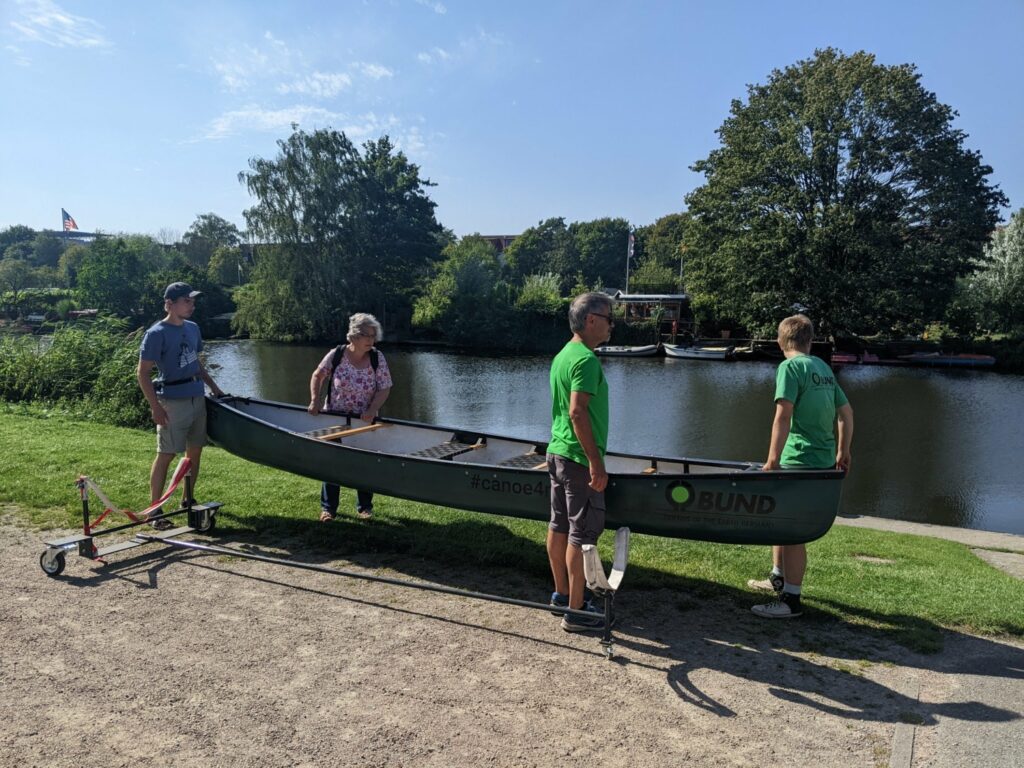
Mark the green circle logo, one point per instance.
(679, 494)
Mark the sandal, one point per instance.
(365, 513)
(326, 515)
(160, 523)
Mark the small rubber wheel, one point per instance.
(209, 526)
(54, 567)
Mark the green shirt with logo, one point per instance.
(577, 369)
(811, 386)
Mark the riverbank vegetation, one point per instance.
(895, 584)
(840, 185)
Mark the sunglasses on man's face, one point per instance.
(606, 317)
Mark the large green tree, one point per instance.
(350, 231)
(601, 247)
(841, 184)
(547, 248)
(112, 275)
(208, 233)
(466, 300)
(994, 296)
(15, 277)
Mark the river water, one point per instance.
(929, 446)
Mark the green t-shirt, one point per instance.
(577, 369)
(810, 385)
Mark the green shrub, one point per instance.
(87, 369)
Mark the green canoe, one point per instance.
(725, 501)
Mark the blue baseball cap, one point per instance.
(175, 291)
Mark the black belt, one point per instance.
(189, 380)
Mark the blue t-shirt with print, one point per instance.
(175, 350)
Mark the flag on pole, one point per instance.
(629, 251)
(69, 223)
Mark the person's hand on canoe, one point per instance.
(314, 407)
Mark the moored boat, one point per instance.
(679, 497)
(699, 352)
(650, 350)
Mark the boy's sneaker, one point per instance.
(572, 623)
(558, 600)
(160, 524)
(786, 607)
(773, 583)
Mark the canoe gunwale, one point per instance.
(731, 469)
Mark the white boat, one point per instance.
(699, 353)
(648, 351)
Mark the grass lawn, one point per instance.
(906, 587)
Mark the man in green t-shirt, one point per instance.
(579, 437)
(810, 408)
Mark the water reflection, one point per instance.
(930, 446)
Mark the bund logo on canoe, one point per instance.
(683, 498)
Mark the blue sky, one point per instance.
(137, 117)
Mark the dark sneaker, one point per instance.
(160, 524)
(772, 584)
(572, 623)
(558, 600)
(786, 607)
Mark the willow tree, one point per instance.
(843, 185)
(340, 231)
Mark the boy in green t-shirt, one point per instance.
(575, 456)
(810, 408)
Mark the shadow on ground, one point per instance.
(686, 628)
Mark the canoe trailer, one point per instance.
(201, 518)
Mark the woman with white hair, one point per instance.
(359, 383)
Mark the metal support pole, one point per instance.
(606, 637)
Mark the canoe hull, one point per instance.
(723, 502)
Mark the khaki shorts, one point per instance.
(576, 508)
(186, 424)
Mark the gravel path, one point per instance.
(168, 657)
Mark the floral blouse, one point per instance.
(353, 388)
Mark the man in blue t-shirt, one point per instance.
(177, 398)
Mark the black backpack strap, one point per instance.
(374, 358)
(335, 362)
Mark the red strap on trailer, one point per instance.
(85, 484)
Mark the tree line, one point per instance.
(840, 184)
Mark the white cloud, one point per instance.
(321, 85)
(358, 128)
(43, 21)
(373, 71)
(238, 68)
(435, 54)
(433, 5)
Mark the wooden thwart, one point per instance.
(343, 433)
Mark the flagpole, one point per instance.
(629, 253)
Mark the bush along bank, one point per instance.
(87, 370)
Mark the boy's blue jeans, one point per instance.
(329, 493)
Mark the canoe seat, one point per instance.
(446, 450)
(526, 461)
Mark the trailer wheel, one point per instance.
(52, 566)
(209, 526)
